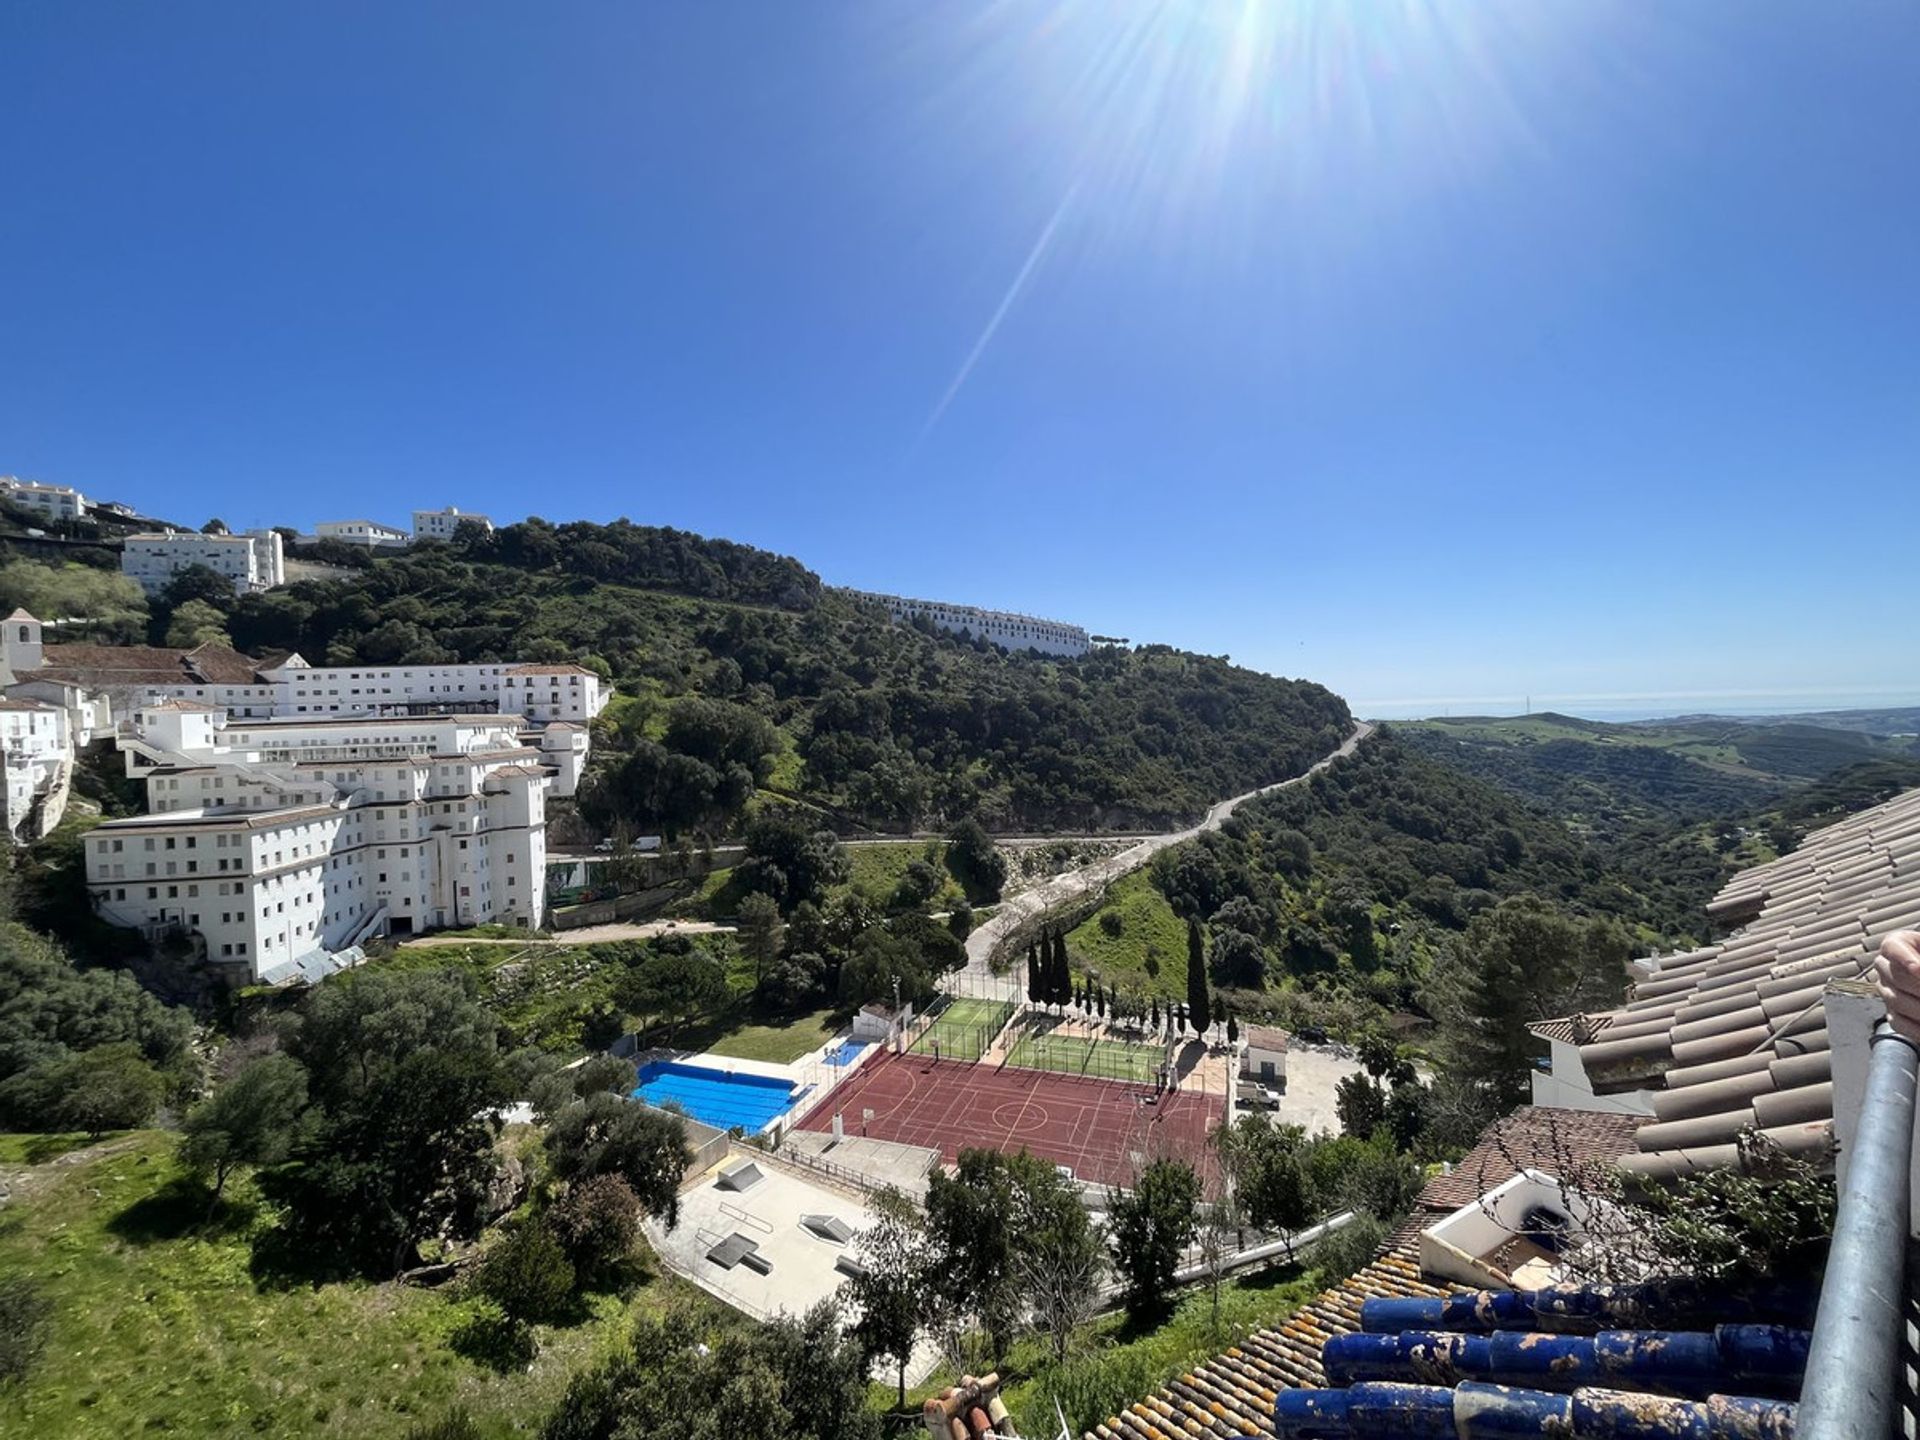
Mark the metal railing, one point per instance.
(1851, 1390)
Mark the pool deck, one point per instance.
(800, 1264)
(812, 1077)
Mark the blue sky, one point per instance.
(1443, 353)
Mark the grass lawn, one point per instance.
(782, 1041)
(1148, 928)
(160, 1327)
(877, 870)
(965, 1029)
(1069, 1055)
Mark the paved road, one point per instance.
(978, 977)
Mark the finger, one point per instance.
(1903, 1005)
(1902, 945)
(1896, 967)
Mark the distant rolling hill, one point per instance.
(1603, 777)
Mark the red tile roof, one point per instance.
(1534, 1137)
(1733, 1036)
(103, 665)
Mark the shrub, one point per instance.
(527, 1275)
(1350, 1249)
(596, 1223)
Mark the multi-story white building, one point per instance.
(1004, 628)
(278, 847)
(440, 524)
(253, 561)
(562, 697)
(56, 502)
(36, 752)
(370, 533)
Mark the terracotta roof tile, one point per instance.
(1733, 1036)
(1233, 1393)
(1532, 1137)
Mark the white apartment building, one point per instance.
(56, 502)
(542, 694)
(1004, 628)
(36, 752)
(278, 847)
(440, 524)
(253, 561)
(559, 697)
(370, 533)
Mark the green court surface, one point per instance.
(1075, 1055)
(964, 1030)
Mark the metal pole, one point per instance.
(1853, 1365)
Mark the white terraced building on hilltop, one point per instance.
(56, 502)
(440, 524)
(278, 847)
(370, 533)
(253, 562)
(1005, 628)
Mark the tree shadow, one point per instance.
(1138, 1324)
(284, 1259)
(41, 1148)
(492, 1340)
(178, 1210)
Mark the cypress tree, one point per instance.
(1062, 969)
(1153, 1011)
(1196, 977)
(1233, 1029)
(1033, 975)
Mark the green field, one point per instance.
(877, 870)
(965, 1029)
(779, 1041)
(162, 1325)
(1072, 1055)
(1150, 939)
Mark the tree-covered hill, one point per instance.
(1608, 778)
(739, 672)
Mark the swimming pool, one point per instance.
(719, 1098)
(849, 1052)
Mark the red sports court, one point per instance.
(1097, 1127)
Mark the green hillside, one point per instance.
(740, 671)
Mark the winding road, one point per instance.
(978, 977)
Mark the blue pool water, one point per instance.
(849, 1052)
(715, 1097)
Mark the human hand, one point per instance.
(1898, 970)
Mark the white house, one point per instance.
(277, 847)
(1263, 1059)
(440, 524)
(36, 749)
(56, 502)
(1005, 628)
(253, 561)
(370, 533)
